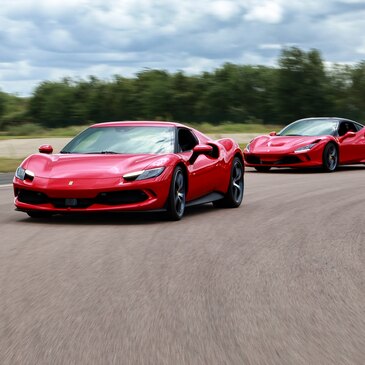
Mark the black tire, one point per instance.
(177, 195)
(262, 168)
(330, 158)
(234, 195)
(39, 215)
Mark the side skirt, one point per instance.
(205, 199)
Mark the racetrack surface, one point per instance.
(6, 178)
(280, 280)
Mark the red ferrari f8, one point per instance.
(131, 166)
(310, 142)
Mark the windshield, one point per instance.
(123, 139)
(310, 127)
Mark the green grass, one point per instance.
(30, 130)
(9, 164)
(236, 128)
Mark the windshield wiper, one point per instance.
(103, 153)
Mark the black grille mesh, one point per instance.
(287, 160)
(106, 198)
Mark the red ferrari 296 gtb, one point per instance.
(310, 142)
(131, 166)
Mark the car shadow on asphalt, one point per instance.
(119, 218)
(306, 171)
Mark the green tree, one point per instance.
(154, 95)
(51, 104)
(301, 85)
(357, 91)
(97, 100)
(339, 91)
(123, 103)
(184, 91)
(237, 93)
(2, 103)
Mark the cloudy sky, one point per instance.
(50, 39)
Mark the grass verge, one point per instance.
(227, 128)
(9, 164)
(35, 131)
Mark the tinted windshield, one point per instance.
(123, 139)
(310, 127)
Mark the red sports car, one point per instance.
(131, 166)
(310, 142)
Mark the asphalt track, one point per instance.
(280, 280)
(6, 178)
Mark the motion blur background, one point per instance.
(72, 62)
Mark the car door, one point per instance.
(360, 142)
(352, 148)
(202, 172)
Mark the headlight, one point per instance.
(20, 173)
(24, 174)
(248, 147)
(144, 174)
(305, 148)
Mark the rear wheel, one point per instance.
(262, 168)
(234, 195)
(330, 158)
(177, 195)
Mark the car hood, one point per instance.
(91, 166)
(281, 143)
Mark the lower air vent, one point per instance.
(121, 197)
(32, 197)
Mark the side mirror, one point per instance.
(46, 148)
(347, 135)
(200, 149)
(272, 133)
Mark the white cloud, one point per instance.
(61, 39)
(20, 69)
(224, 10)
(195, 65)
(48, 39)
(270, 46)
(266, 12)
(361, 49)
(352, 1)
(255, 58)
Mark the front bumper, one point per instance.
(302, 159)
(91, 195)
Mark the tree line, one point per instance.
(299, 86)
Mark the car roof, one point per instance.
(142, 123)
(322, 118)
(337, 119)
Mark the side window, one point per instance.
(358, 126)
(186, 140)
(345, 127)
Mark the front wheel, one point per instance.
(234, 195)
(177, 195)
(330, 158)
